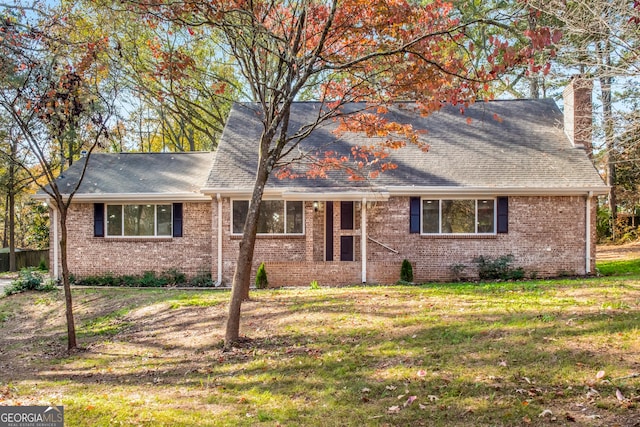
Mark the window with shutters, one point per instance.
(458, 216)
(143, 220)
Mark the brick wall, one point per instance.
(546, 236)
(190, 254)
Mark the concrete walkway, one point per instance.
(3, 284)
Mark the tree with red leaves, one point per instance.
(48, 91)
(340, 52)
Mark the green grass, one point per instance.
(630, 267)
(489, 354)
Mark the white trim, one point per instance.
(303, 194)
(219, 198)
(132, 197)
(285, 234)
(489, 192)
(363, 238)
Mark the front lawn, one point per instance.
(496, 354)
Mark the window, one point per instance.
(139, 220)
(458, 216)
(276, 217)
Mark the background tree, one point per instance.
(601, 41)
(176, 86)
(13, 182)
(51, 93)
(341, 52)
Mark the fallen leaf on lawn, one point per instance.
(365, 390)
(401, 396)
(410, 400)
(600, 375)
(391, 387)
(546, 412)
(593, 393)
(393, 409)
(527, 380)
(526, 420)
(421, 406)
(422, 373)
(502, 363)
(619, 395)
(433, 398)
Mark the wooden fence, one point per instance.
(24, 259)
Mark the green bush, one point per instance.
(202, 279)
(30, 279)
(174, 277)
(149, 279)
(406, 271)
(498, 268)
(261, 277)
(314, 284)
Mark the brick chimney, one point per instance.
(578, 115)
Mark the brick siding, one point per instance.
(546, 236)
(89, 256)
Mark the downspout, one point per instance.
(219, 199)
(363, 238)
(588, 233)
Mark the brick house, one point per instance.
(505, 177)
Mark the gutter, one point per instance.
(140, 197)
(383, 193)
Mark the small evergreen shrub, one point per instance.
(498, 268)
(202, 279)
(150, 280)
(406, 271)
(261, 277)
(42, 266)
(314, 284)
(174, 277)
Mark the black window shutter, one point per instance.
(414, 215)
(503, 215)
(177, 220)
(346, 215)
(98, 220)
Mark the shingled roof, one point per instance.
(139, 176)
(513, 146)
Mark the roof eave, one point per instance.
(130, 197)
(502, 191)
(383, 193)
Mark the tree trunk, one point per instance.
(12, 207)
(12, 231)
(242, 276)
(71, 328)
(605, 85)
(5, 234)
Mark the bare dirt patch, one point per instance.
(618, 252)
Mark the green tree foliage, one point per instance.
(177, 85)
